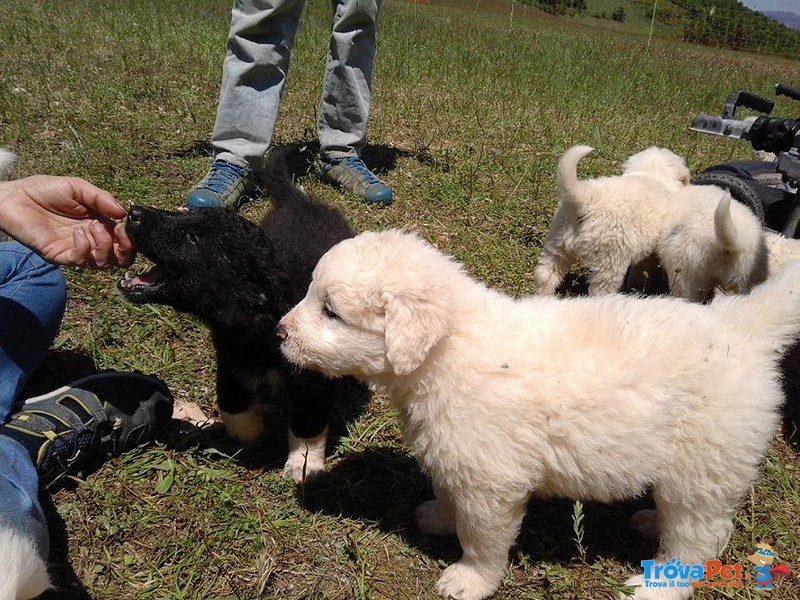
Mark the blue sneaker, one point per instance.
(353, 176)
(226, 184)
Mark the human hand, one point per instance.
(67, 220)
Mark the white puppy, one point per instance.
(712, 242)
(609, 223)
(8, 161)
(591, 398)
(782, 250)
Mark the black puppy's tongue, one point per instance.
(151, 277)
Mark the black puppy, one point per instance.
(240, 279)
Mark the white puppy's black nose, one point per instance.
(281, 332)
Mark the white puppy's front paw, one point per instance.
(465, 583)
(433, 520)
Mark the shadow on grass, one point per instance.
(66, 584)
(380, 158)
(383, 487)
(348, 405)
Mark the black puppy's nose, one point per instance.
(135, 213)
(281, 332)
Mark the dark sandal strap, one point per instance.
(59, 426)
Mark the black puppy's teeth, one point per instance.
(151, 278)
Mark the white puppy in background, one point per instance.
(782, 250)
(599, 399)
(8, 161)
(609, 223)
(712, 243)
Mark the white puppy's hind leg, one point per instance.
(306, 458)
(550, 271)
(692, 530)
(435, 517)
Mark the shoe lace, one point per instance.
(359, 167)
(223, 175)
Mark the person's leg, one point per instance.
(33, 295)
(24, 542)
(97, 416)
(346, 99)
(32, 300)
(254, 74)
(347, 87)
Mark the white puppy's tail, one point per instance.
(7, 162)
(724, 227)
(568, 182)
(769, 314)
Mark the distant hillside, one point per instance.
(789, 19)
(728, 24)
(722, 23)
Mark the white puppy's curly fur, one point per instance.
(609, 223)
(782, 250)
(8, 161)
(593, 398)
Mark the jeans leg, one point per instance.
(20, 510)
(33, 295)
(253, 77)
(347, 88)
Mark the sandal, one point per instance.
(100, 415)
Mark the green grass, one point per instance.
(472, 109)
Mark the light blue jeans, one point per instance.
(33, 295)
(254, 73)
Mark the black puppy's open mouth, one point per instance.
(143, 283)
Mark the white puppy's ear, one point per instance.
(413, 326)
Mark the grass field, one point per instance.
(472, 108)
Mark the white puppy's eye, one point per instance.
(329, 312)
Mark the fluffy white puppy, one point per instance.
(8, 162)
(609, 223)
(23, 574)
(593, 398)
(712, 242)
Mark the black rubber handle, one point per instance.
(784, 89)
(756, 102)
